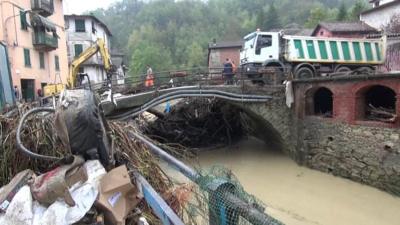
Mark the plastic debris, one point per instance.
(23, 210)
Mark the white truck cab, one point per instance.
(259, 48)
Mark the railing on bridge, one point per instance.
(188, 77)
(205, 76)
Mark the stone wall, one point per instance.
(364, 151)
(365, 154)
(272, 121)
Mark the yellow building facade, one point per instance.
(34, 33)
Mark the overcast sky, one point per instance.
(80, 6)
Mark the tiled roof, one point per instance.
(226, 44)
(346, 27)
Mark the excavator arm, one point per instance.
(100, 46)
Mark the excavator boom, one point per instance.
(99, 46)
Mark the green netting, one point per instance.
(221, 200)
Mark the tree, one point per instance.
(145, 54)
(317, 15)
(342, 15)
(356, 10)
(394, 24)
(272, 19)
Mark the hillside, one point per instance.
(170, 34)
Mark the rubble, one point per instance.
(65, 192)
(192, 121)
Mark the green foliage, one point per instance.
(356, 10)
(174, 34)
(269, 19)
(342, 14)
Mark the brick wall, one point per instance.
(345, 145)
(218, 56)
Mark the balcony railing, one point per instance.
(44, 42)
(43, 7)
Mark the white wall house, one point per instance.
(379, 16)
(82, 32)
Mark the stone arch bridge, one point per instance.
(344, 125)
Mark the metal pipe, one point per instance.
(180, 166)
(21, 146)
(137, 111)
(243, 208)
(159, 206)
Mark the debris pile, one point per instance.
(191, 121)
(38, 135)
(72, 190)
(381, 114)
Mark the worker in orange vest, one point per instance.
(149, 77)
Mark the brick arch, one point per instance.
(309, 98)
(360, 90)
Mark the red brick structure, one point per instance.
(219, 52)
(350, 97)
(343, 29)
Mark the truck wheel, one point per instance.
(304, 73)
(343, 69)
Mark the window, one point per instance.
(57, 63)
(80, 25)
(81, 70)
(93, 28)
(319, 101)
(78, 49)
(27, 58)
(262, 42)
(41, 60)
(24, 22)
(377, 103)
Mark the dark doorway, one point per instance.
(381, 96)
(323, 102)
(380, 104)
(28, 89)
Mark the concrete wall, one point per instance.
(17, 39)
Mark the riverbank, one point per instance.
(300, 196)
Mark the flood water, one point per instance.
(299, 196)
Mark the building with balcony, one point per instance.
(82, 32)
(34, 35)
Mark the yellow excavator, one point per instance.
(99, 46)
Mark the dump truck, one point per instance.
(308, 57)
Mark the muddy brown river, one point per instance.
(300, 196)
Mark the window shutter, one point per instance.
(41, 60)
(24, 22)
(78, 49)
(57, 63)
(80, 26)
(27, 58)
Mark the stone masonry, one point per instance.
(344, 145)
